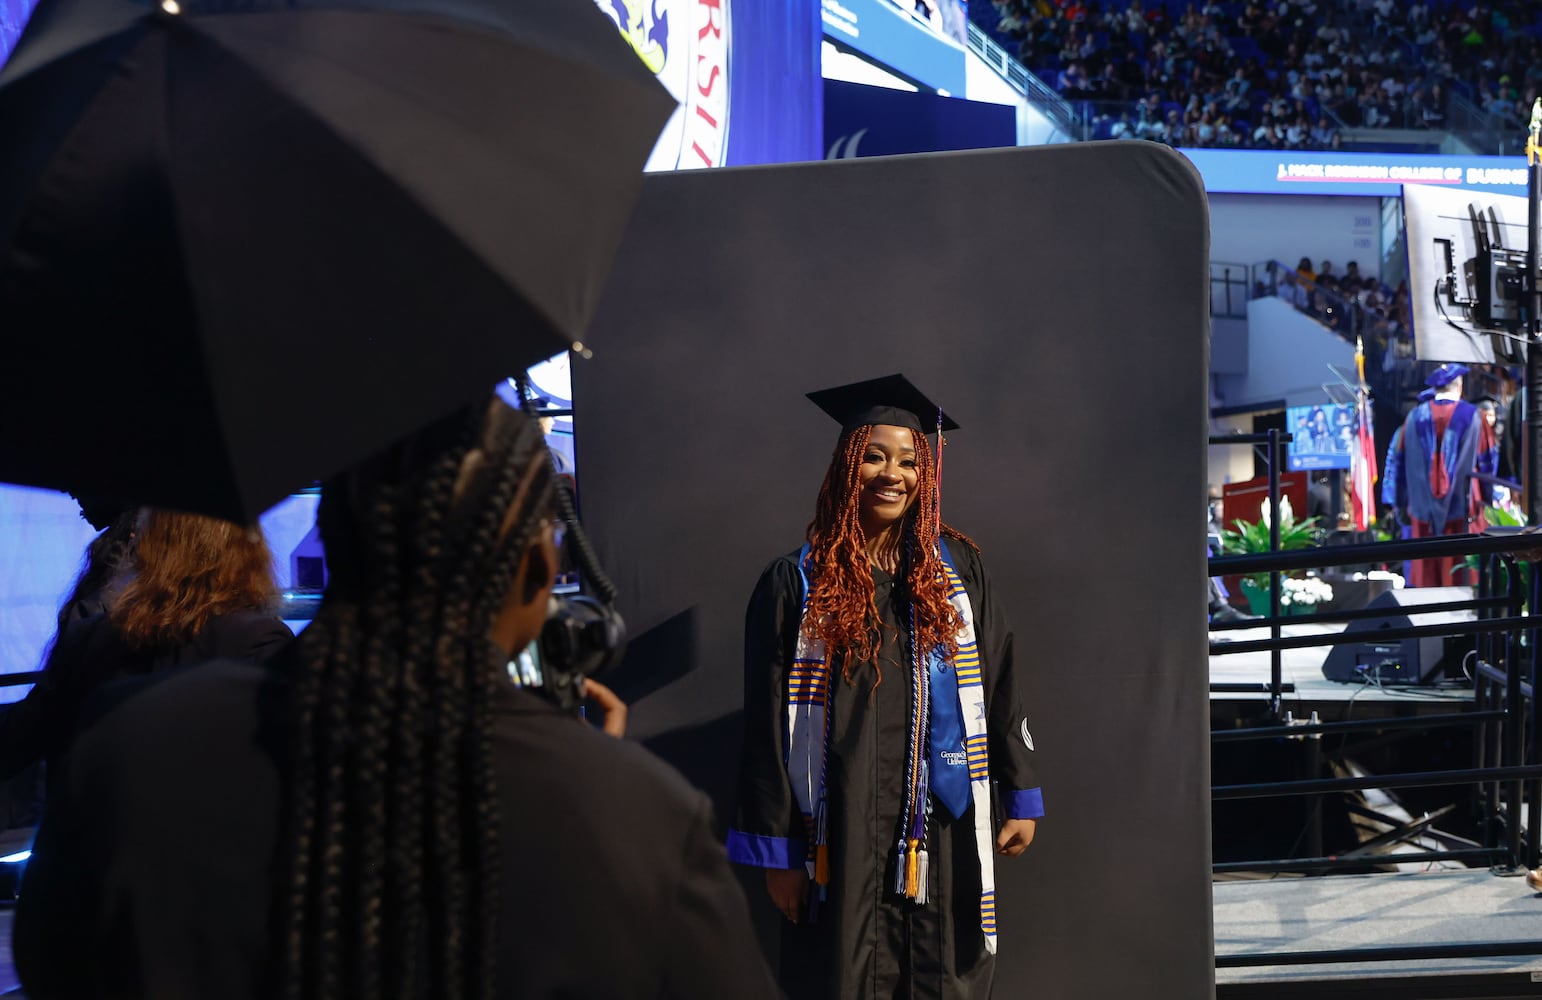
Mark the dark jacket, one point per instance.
(91, 652)
(153, 872)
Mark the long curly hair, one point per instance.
(841, 609)
(392, 876)
(187, 569)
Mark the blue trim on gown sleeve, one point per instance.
(764, 852)
(1027, 803)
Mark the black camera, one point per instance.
(582, 638)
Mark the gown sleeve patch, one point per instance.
(1027, 803)
(764, 852)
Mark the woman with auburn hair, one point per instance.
(199, 588)
(190, 588)
(880, 704)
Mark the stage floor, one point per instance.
(1382, 910)
(1303, 668)
(1339, 911)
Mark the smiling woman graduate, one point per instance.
(881, 705)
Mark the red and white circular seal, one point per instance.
(686, 43)
(705, 136)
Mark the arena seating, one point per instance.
(1292, 74)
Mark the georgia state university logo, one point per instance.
(685, 43)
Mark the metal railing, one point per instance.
(1507, 727)
(1273, 439)
(1483, 132)
(1231, 287)
(1038, 93)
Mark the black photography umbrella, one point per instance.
(244, 243)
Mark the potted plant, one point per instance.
(1253, 537)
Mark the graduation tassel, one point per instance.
(923, 863)
(912, 861)
(899, 870)
(938, 474)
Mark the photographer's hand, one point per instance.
(614, 708)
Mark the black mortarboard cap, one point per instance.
(887, 400)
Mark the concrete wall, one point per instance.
(1288, 358)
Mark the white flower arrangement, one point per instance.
(1308, 592)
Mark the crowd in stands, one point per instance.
(1288, 74)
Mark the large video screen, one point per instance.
(1308, 172)
(746, 75)
(1321, 437)
(922, 42)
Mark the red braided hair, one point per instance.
(841, 609)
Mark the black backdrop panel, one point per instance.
(1054, 301)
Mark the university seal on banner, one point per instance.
(686, 45)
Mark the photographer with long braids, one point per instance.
(384, 814)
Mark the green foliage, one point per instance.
(1243, 536)
(1253, 536)
(1246, 536)
(1501, 518)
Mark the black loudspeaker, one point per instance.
(1403, 661)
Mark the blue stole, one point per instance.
(947, 763)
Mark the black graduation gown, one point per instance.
(91, 652)
(866, 941)
(153, 872)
